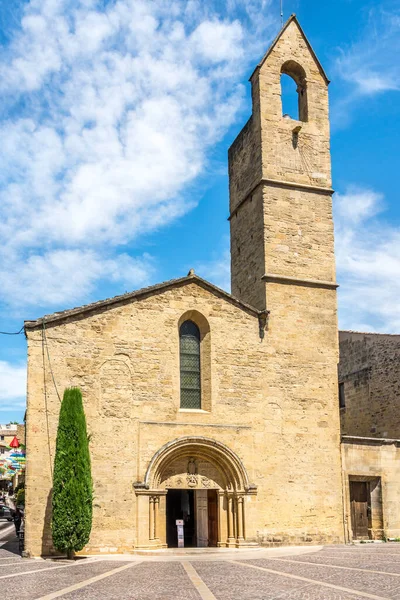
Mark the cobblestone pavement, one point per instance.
(330, 573)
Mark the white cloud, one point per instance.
(109, 113)
(218, 270)
(66, 276)
(358, 204)
(12, 386)
(369, 66)
(368, 263)
(216, 42)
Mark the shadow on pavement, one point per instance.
(12, 546)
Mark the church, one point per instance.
(213, 409)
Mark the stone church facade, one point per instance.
(219, 409)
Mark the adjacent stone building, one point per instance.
(216, 409)
(369, 392)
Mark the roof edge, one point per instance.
(354, 332)
(137, 294)
(292, 18)
(368, 440)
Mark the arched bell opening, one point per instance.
(292, 70)
(201, 485)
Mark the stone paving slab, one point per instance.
(230, 582)
(10, 547)
(146, 581)
(222, 577)
(28, 565)
(5, 553)
(7, 560)
(372, 583)
(383, 548)
(35, 585)
(318, 592)
(376, 563)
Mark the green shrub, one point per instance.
(72, 480)
(20, 500)
(20, 486)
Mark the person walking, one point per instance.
(17, 518)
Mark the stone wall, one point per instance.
(276, 410)
(369, 370)
(245, 159)
(298, 234)
(377, 462)
(21, 433)
(247, 251)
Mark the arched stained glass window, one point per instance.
(189, 340)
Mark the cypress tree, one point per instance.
(72, 479)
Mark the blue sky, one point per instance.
(115, 120)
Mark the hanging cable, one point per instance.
(12, 332)
(46, 407)
(48, 358)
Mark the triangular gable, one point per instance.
(137, 295)
(292, 19)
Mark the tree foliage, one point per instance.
(20, 499)
(72, 479)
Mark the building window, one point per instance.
(189, 338)
(294, 91)
(342, 400)
(2, 451)
(290, 101)
(2, 437)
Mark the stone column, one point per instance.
(156, 506)
(221, 520)
(231, 533)
(151, 517)
(151, 526)
(240, 519)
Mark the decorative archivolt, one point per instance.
(233, 475)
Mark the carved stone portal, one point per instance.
(192, 474)
(196, 463)
(191, 477)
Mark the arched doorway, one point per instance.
(201, 482)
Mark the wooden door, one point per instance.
(359, 509)
(202, 518)
(212, 518)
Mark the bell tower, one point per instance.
(282, 257)
(280, 178)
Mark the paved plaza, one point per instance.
(329, 573)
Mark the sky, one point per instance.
(115, 121)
